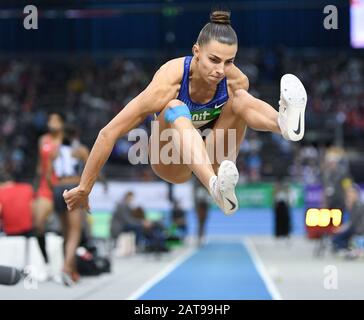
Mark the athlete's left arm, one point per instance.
(82, 153)
(256, 113)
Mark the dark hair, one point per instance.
(5, 176)
(59, 114)
(128, 194)
(219, 29)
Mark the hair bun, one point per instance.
(220, 17)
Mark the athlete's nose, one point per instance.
(220, 73)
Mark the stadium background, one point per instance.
(89, 58)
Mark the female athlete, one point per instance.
(190, 93)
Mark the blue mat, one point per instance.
(217, 271)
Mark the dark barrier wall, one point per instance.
(169, 24)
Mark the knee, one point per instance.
(176, 109)
(174, 103)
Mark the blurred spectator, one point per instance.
(127, 217)
(355, 224)
(16, 201)
(123, 220)
(155, 235)
(178, 226)
(335, 174)
(68, 164)
(45, 178)
(282, 210)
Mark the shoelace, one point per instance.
(281, 104)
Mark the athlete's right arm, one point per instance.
(159, 92)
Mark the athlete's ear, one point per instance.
(196, 51)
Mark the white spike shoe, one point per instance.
(292, 105)
(222, 187)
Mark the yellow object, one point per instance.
(346, 183)
(323, 217)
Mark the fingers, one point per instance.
(70, 205)
(67, 200)
(73, 201)
(70, 200)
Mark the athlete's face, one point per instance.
(214, 60)
(55, 123)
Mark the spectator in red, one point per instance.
(15, 206)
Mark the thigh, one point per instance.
(225, 137)
(42, 208)
(173, 173)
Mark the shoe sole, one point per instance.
(295, 97)
(228, 177)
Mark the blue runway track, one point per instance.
(217, 271)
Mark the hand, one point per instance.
(76, 198)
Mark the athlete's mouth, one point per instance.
(217, 78)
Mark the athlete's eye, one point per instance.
(214, 60)
(230, 62)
